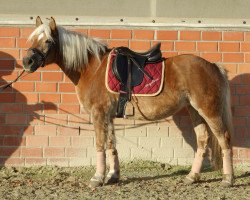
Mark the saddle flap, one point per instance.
(120, 70)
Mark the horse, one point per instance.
(189, 81)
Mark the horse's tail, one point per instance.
(227, 121)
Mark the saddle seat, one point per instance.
(128, 67)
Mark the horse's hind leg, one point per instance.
(202, 137)
(114, 170)
(218, 128)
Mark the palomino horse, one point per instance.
(189, 81)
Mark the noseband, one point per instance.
(38, 57)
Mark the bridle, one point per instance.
(38, 57)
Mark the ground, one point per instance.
(139, 180)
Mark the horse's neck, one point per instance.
(86, 71)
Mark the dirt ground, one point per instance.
(139, 180)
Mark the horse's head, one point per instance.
(44, 45)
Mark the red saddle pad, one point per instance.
(148, 87)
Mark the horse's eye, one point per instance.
(47, 41)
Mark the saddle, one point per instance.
(128, 67)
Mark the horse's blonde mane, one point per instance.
(75, 48)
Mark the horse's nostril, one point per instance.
(30, 61)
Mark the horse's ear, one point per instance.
(38, 21)
(52, 24)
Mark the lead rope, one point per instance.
(3, 87)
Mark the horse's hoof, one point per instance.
(228, 180)
(192, 178)
(113, 177)
(96, 181)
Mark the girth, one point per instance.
(128, 68)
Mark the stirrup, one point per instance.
(129, 110)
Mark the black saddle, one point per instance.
(128, 67)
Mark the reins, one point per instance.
(3, 87)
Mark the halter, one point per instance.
(38, 57)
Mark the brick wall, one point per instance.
(41, 122)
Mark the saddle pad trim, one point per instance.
(136, 95)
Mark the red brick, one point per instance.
(7, 97)
(245, 47)
(190, 35)
(244, 100)
(50, 108)
(167, 35)
(239, 121)
(7, 42)
(36, 76)
(36, 119)
(56, 119)
(118, 43)
(46, 87)
(212, 57)
(23, 43)
(13, 141)
(233, 57)
(35, 161)
(247, 57)
(49, 130)
(50, 97)
(11, 108)
(52, 76)
(242, 111)
(105, 34)
(9, 151)
(185, 46)
(16, 119)
(25, 32)
(59, 141)
(51, 67)
(69, 98)
(9, 32)
(32, 108)
(37, 140)
(31, 152)
(244, 153)
(166, 46)
(229, 47)
(231, 68)
(82, 141)
(11, 130)
(10, 53)
(14, 162)
(24, 86)
(68, 108)
(66, 87)
(26, 98)
(7, 64)
(243, 89)
(211, 35)
(169, 54)
(139, 45)
(143, 34)
(53, 152)
(244, 68)
(68, 131)
(233, 36)
(121, 34)
(29, 130)
(207, 46)
(75, 152)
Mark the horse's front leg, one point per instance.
(101, 130)
(114, 170)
